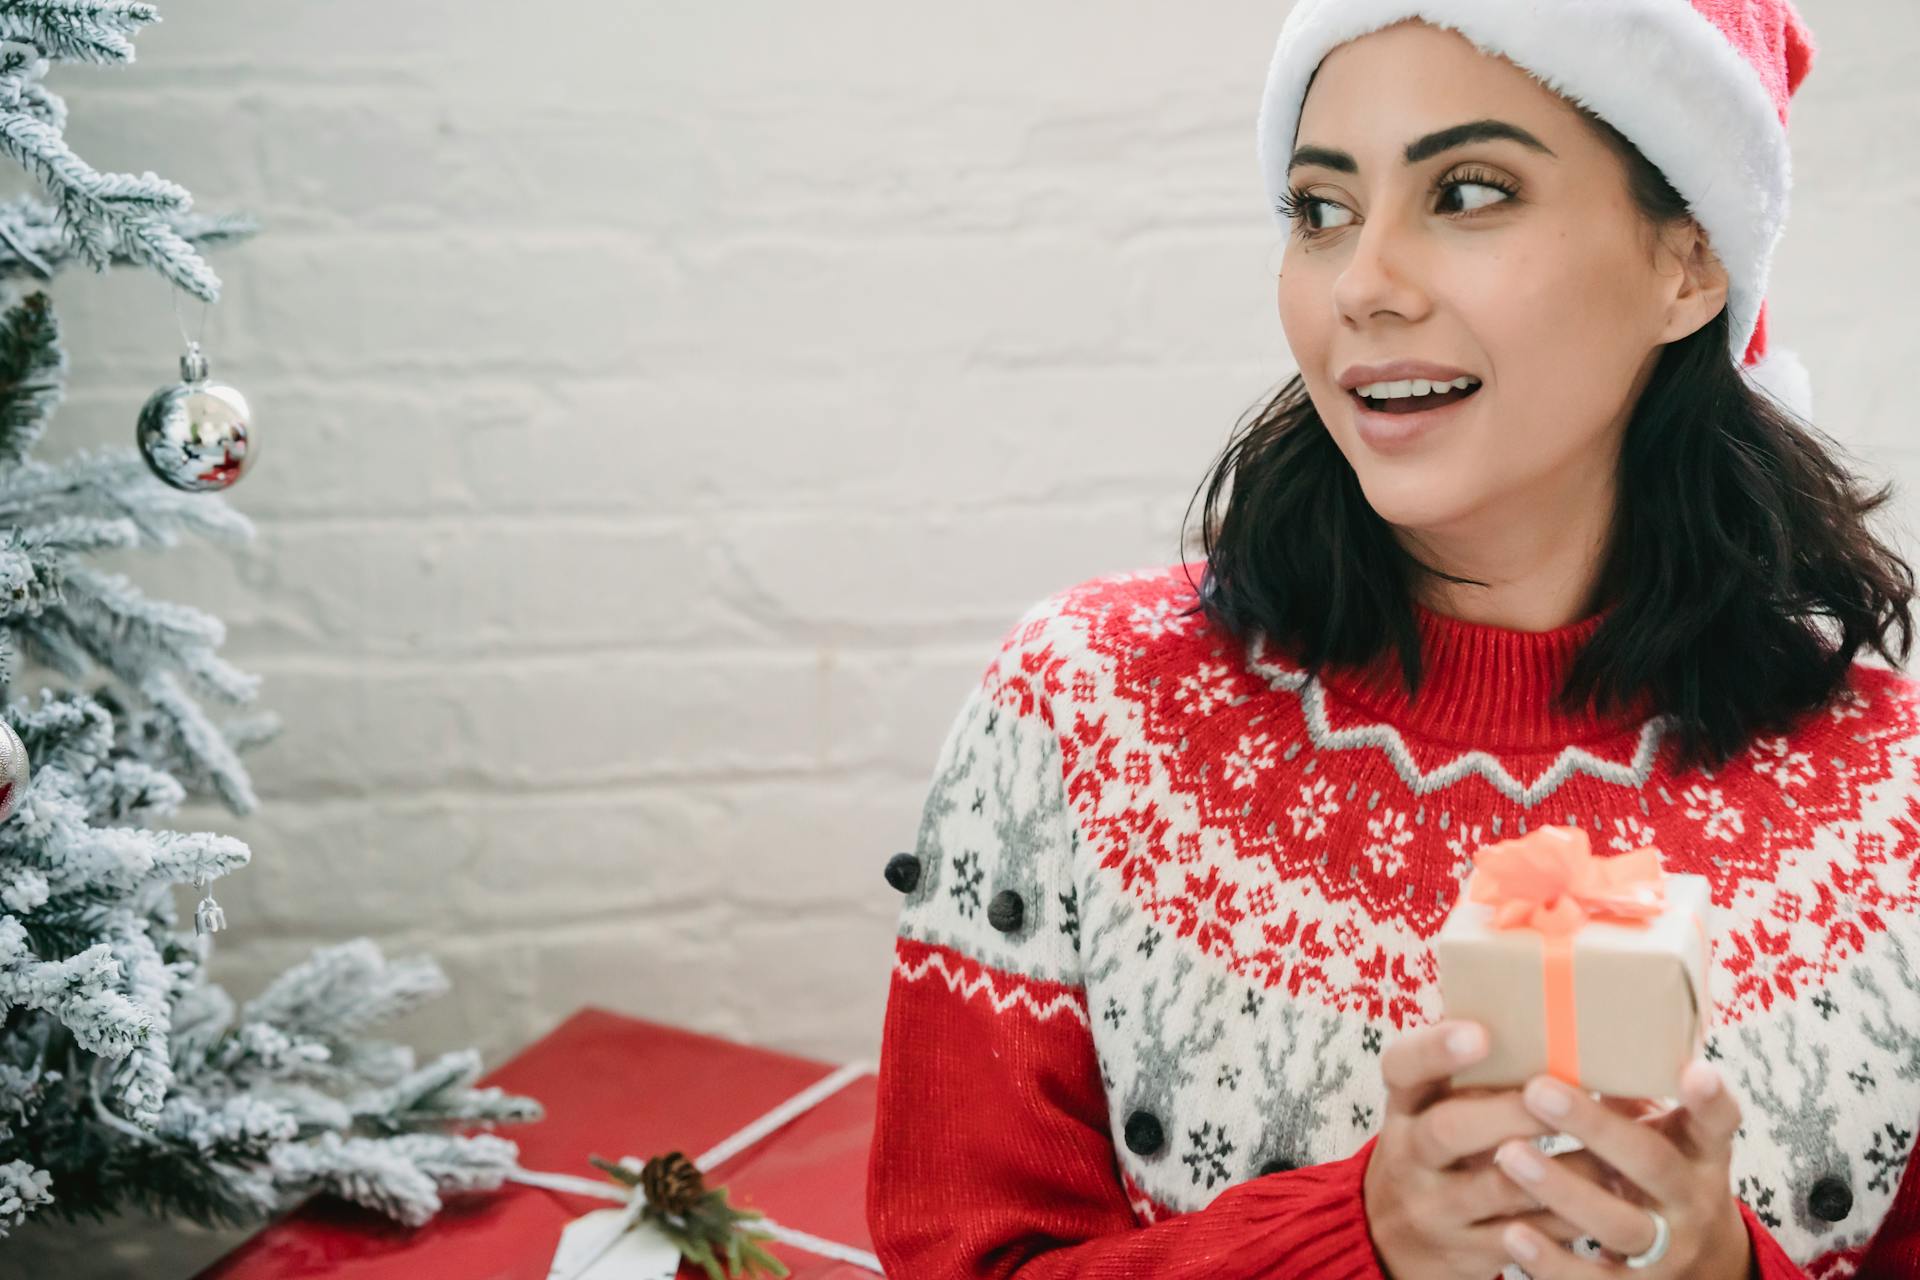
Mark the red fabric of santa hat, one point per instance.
(1701, 87)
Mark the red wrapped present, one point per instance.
(611, 1086)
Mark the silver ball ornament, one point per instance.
(197, 435)
(14, 771)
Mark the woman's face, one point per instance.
(1524, 265)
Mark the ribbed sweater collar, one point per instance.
(1485, 686)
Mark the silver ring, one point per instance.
(1657, 1249)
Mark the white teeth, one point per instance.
(1414, 387)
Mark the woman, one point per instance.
(1524, 543)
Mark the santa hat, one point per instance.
(1699, 86)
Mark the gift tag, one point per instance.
(639, 1254)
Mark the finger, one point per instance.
(1489, 1240)
(1490, 1195)
(1496, 1193)
(1599, 1172)
(1711, 1113)
(1418, 1065)
(1545, 1260)
(1458, 1127)
(1615, 1223)
(1641, 1152)
(1547, 1223)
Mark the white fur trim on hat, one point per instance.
(1781, 375)
(1656, 70)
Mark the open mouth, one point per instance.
(1417, 404)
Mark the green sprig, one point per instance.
(709, 1224)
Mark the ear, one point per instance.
(1700, 287)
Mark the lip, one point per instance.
(1359, 375)
(1393, 432)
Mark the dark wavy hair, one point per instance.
(1736, 532)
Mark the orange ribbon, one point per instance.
(1549, 881)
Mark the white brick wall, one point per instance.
(664, 415)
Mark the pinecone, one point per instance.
(672, 1183)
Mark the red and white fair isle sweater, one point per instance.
(1170, 897)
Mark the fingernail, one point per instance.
(1549, 1097)
(1521, 1162)
(1465, 1042)
(1520, 1245)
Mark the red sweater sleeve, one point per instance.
(993, 1151)
(992, 1155)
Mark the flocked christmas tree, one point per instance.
(127, 1078)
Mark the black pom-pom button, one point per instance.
(903, 872)
(1831, 1198)
(1144, 1136)
(1277, 1166)
(1006, 911)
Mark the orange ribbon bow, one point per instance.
(1548, 880)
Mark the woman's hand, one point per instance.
(1677, 1162)
(1435, 1203)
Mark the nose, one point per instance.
(1382, 275)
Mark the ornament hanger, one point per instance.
(192, 344)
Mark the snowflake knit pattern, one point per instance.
(1170, 896)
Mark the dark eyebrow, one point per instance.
(1424, 148)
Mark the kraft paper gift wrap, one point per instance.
(1591, 969)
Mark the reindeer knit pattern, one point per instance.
(1170, 896)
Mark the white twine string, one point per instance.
(181, 320)
(636, 1202)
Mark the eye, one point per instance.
(1467, 180)
(1296, 205)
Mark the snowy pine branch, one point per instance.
(193, 742)
(23, 1189)
(116, 487)
(33, 370)
(77, 30)
(340, 991)
(104, 216)
(32, 240)
(105, 213)
(81, 990)
(127, 1079)
(441, 1095)
(402, 1177)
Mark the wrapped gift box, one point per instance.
(1622, 1003)
(611, 1086)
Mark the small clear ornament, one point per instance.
(207, 917)
(197, 435)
